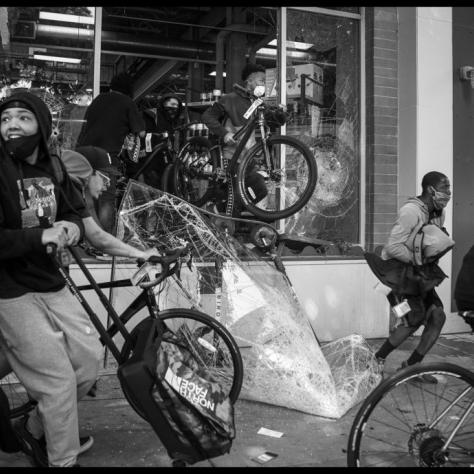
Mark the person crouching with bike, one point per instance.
(226, 117)
(84, 169)
(45, 333)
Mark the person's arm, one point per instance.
(213, 117)
(396, 246)
(71, 210)
(107, 243)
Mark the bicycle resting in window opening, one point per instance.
(270, 176)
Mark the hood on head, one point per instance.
(171, 96)
(39, 108)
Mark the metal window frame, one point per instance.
(281, 54)
(97, 51)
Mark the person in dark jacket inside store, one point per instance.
(111, 116)
(225, 117)
(165, 117)
(45, 333)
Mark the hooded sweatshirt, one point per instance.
(31, 199)
(158, 121)
(411, 217)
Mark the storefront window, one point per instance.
(49, 51)
(323, 97)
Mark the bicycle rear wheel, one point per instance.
(18, 399)
(405, 422)
(281, 190)
(212, 344)
(194, 171)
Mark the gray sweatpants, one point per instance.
(55, 352)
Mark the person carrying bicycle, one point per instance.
(226, 117)
(45, 333)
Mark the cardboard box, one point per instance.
(313, 83)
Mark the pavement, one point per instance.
(123, 439)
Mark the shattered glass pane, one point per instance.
(323, 97)
(284, 364)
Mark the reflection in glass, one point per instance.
(49, 52)
(323, 90)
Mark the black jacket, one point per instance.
(24, 265)
(464, 288)
(158, 121)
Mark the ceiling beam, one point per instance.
(159, 71)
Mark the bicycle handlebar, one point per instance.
(171, 256)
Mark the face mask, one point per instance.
(259, 91)
(21, 148)
(440, 199)
(172, 111)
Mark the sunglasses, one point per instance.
(105, 180)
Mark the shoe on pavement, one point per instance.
(85, 443)
(424, 378)
(35, 449)
(31, 446)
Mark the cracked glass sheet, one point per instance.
(283, 362)
(353, 368)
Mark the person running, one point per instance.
(426, 307)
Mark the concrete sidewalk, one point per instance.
(123, 439)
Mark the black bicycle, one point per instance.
(210, 342)
(283, 166)
(407, 423)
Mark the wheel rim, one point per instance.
(288, 185)
(404, 428)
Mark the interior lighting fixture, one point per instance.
(294, 45)
(57, 59)
(213, 73)
(88, 20)
(273, 52)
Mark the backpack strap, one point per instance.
(418, 246)
(58, 168)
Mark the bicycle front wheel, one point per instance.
(281, 189)
(405, 422)
(211, 343)
(194, 171)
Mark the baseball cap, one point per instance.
(77, 165)
(98, 158)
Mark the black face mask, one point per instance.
(21, 148)
(171, 111)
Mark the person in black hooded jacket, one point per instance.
(165, 117)
(45, 333)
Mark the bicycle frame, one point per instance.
(142, 300)
(160, 147)
(245, 132)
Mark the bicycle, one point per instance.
(407, 423)
(287, 166)
(211, 343)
